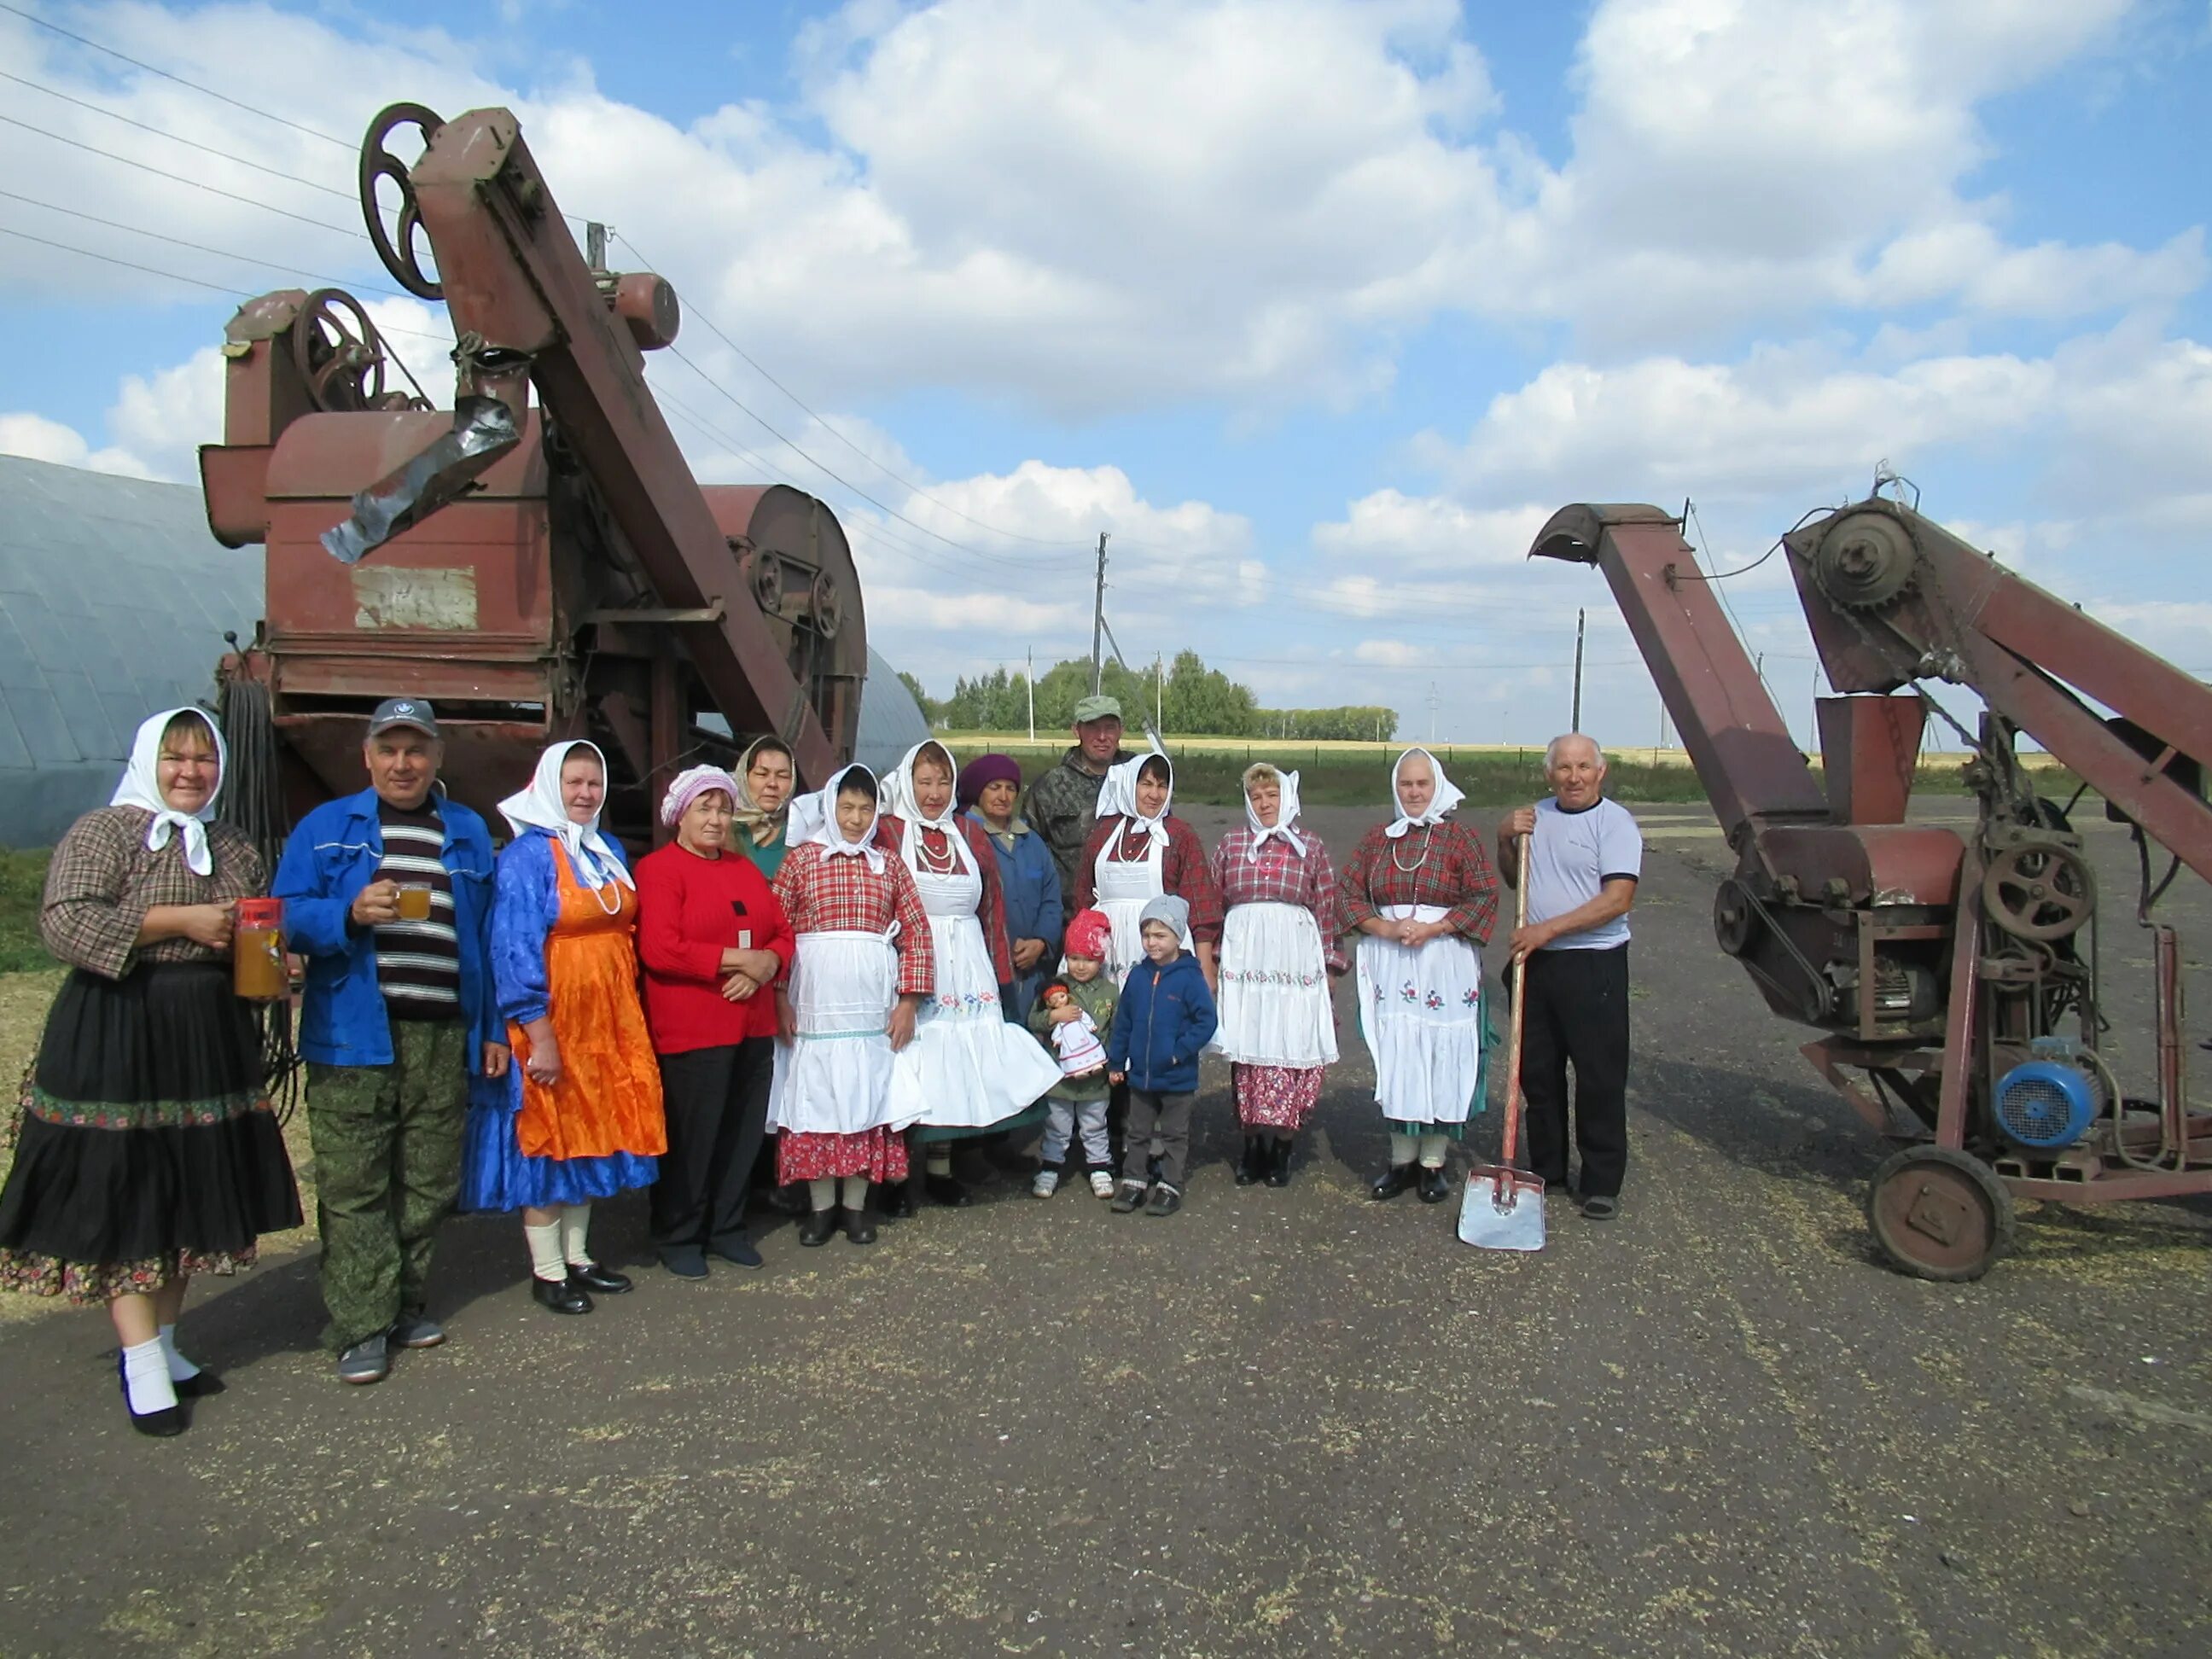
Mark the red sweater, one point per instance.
(689, 911)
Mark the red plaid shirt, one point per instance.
(890, 832)
(822, 895)
(1454, 876)
(1183, 870)
(1281, 876)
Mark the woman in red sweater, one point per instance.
(713, 940)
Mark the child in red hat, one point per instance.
(1077, 1104)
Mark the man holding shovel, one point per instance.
(1585, 854)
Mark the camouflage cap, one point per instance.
(1097, 708)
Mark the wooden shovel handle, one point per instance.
(1513, 1101)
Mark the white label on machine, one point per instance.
(385, 597)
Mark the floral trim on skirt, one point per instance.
(879, 1155)
(1277, 1098)
(91, 1283)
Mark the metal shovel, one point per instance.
(1502, 1208)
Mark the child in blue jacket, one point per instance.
(1164, 1018)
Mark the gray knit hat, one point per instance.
(1167, 909)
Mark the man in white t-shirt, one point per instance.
(1585, 854)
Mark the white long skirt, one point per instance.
(1421, 1013)
(967, 1068)
(838, 1076)
(1275, 1003)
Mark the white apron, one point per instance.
(1421, 1013)
(966, 1067)
(838, 1077)
(1274, 1000)
(1121, 888)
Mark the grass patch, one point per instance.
(22, 883)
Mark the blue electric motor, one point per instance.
(2045, 1104)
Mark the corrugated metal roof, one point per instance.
(113, 602)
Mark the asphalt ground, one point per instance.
(1279, 1422)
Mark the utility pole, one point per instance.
(1576, 724)
(1030, 680)
(1160, 695)
(1099, 622)
(1435, 703)
(595, 248)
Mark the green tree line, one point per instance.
(1188, 698)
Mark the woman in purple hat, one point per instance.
(1029, 881)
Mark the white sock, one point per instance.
(545, 1258)
(938, 1162)
(1432, 1152)
(575, 1226)
(1404, 1148)
(181, 1369)
(146, 1380)
(822, 1194)
(856, 1193)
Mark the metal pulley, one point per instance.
(1865, 561)
(2037, 886)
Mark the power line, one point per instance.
(312, 132)
(178, 178)
(175, 138)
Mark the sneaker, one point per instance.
(368, 1360)
(416, 1331)
(1046, 1184)
(1101, 1184)
(1166, 1201)
(1128, 1196)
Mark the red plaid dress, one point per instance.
(1451, 871)
(1182, 869)
(824, 894)
(1277, 1098)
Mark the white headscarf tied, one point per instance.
(901, 800)
(141, 787)
(538, 807)
(814, 819)
(1440, 805)
(1118, 794)
(1285, 817)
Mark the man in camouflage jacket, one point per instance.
(1063, 804)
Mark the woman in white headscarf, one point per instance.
(1420, 891)
(1278, 948)
(148, 1152)
(1138, 851)
(577, 1116)
(865, 965)
(973, 1072)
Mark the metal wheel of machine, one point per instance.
(1940, 1214)
(2040, 889)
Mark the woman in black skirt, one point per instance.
(148, 1151)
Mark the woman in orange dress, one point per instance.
(578, 1115)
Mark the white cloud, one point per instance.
(39, 439)
(1429, 533)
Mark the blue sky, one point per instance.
(1316, 307)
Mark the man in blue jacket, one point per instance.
(1165, 1017)
(387, 894)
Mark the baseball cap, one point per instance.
(1097, 708)
(404, 711)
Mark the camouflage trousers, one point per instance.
(387, 1144)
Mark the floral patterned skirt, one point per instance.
(876, 1155)
(148, 1151)
(1276, 1097)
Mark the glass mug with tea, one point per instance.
(414, 901)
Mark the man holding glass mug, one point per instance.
(387, 894)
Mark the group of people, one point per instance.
(870, 973)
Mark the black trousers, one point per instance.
(1577, 1012)
(717, 1104)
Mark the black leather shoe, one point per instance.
(1435, 1185)
(816, 1227)
(1279, 1163)
(602, 1281)
(898, 1201)
(1253, 1166)
(861, 1225)
(1400, 1178)
(944, 1189)
(559, 1296)
(199, 1386)
(161, 1425)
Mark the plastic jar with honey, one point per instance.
(257, 950)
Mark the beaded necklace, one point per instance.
(1428, 839)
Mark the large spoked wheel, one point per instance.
(397, 247)
(1940, 1214)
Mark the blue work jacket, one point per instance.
(328, 859)
(1165, 1017)
(1029, 881)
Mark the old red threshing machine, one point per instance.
(539, 568)
(1956, 977)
